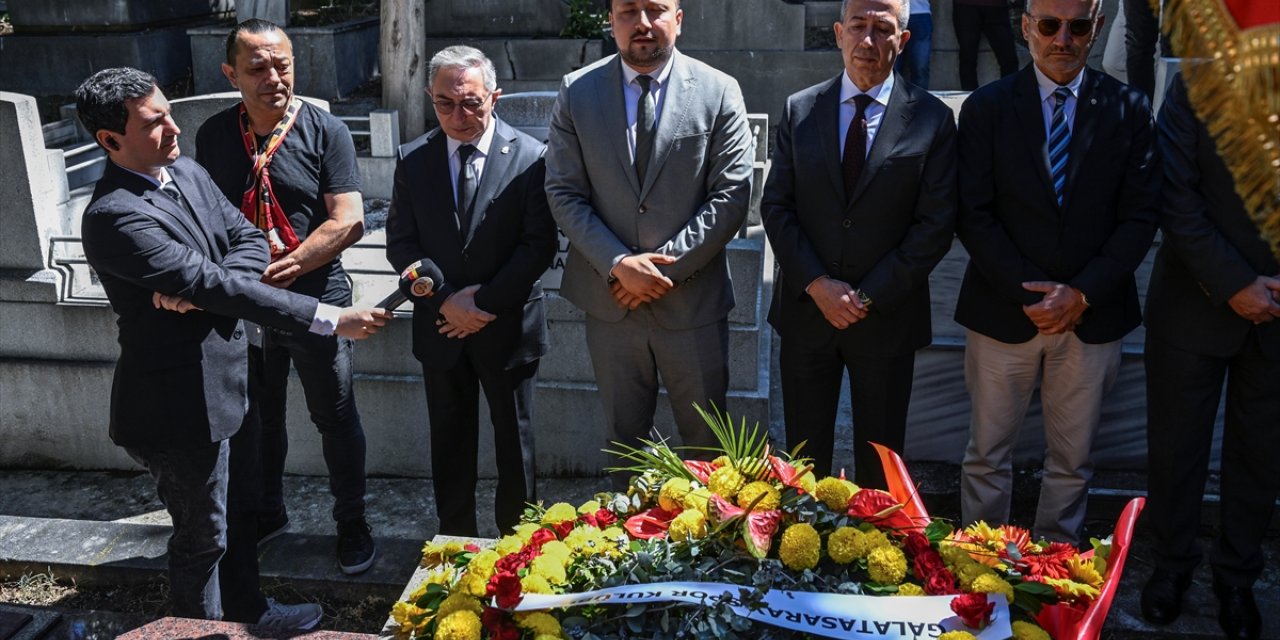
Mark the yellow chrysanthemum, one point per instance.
(869, 541)
(525, 530)
(547, 636)
(559, 512)
(508, 545)
(458, 601)
(722, 461)
(953, 554)
(753, 490)
(801, 547)
(410, 617)
(549, 568)
(726, 482)
(910, 589)
(534, 583)
(558, 550)
(689, 525)
(673, 490)
(590, 506)
(472, 585)
(588, 541)
(615, 534)
(887, 565)
(461, 625)
(1023, 630)
(1072, 589)
(992, 583)
(482, 563)
(434, 555)
(697, 499)
(968, 573)
(540, 623)
(842, 545)
(957, 635)
(1084, 572)
(834, 493)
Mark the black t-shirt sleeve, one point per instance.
(339, 171)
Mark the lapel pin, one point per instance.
(505, 150)
(1093, 101)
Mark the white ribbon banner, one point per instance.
(833, 615)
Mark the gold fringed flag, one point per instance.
(1231, 64)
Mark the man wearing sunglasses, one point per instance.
(1058, 194)
(468, 202)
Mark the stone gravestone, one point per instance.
(274, 11)
(32, 195)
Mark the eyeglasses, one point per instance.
(1049, 27)
(470, 106)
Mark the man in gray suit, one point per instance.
(649, 176)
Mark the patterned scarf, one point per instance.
(259, 204)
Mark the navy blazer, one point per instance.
(511, 242)
(885, 239)
(1012, 225)
(180, 378)
(1211, 248)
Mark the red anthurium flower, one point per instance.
(701, 469)
(879, 508)
(974, 609)
(788, 474)
(650, 524)
(724, 509)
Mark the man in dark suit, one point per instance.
(649, 177)
(162, 239)
(1211, 315)
(1058, 188)
(859, 207)
(469, 203)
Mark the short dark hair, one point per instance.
(252, 26)
(100, 100)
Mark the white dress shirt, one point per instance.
(1047, 87)
(631, 94)
(874, 113)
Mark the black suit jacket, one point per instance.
(510, 244)
(885, 239)
(181, 378)
(1211, 248)
(1013, 227)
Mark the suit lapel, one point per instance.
(163, 208)
(189, 191)
(1082, 129)
(681, 88)
(497, 167)
(614, 111)
(902, 106)
(436, 188)
(1026, 96)
(826, 113)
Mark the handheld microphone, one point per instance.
(412, 284)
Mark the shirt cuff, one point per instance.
(326, 320)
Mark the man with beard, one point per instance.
(649, 176)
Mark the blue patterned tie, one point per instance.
(1059, 140)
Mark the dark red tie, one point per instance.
(855, 145)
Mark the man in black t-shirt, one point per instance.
(291, 167)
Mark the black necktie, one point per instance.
(644, 126)
(170, 189)
(466, 189)
(855, 145)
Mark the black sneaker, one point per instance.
(355, 546)
(272, 527)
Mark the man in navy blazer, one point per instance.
(1058, 192)
(856, 250)
(180, 266)
(469, 203)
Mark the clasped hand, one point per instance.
(460, 317)
(1059, 311)
(838, 301)
(639, 280)
(1258, 302)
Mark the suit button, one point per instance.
(237, 334)
(643, 208)
(835, 266)
(847, 223)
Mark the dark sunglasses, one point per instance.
(1048, 27)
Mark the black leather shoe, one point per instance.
(1162, 596)
(1237, 611)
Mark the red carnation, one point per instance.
(916, 544)
(499, 624)
(541, 537)
(605, 518)
(506, 587)
(471, 547)
(927, 564)
(589, 518)
(973, 609)
(941, 583)
(563, 528)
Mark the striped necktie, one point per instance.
(1059, 140)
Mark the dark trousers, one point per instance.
(242, 599)
(453, 404)
(324, 367)
(192, 483)
(971, 22)
(879, 389)
(914, 61)
(1183, 392)
(1141, 33)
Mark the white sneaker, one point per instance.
(290, 617)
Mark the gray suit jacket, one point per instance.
(693, 201)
